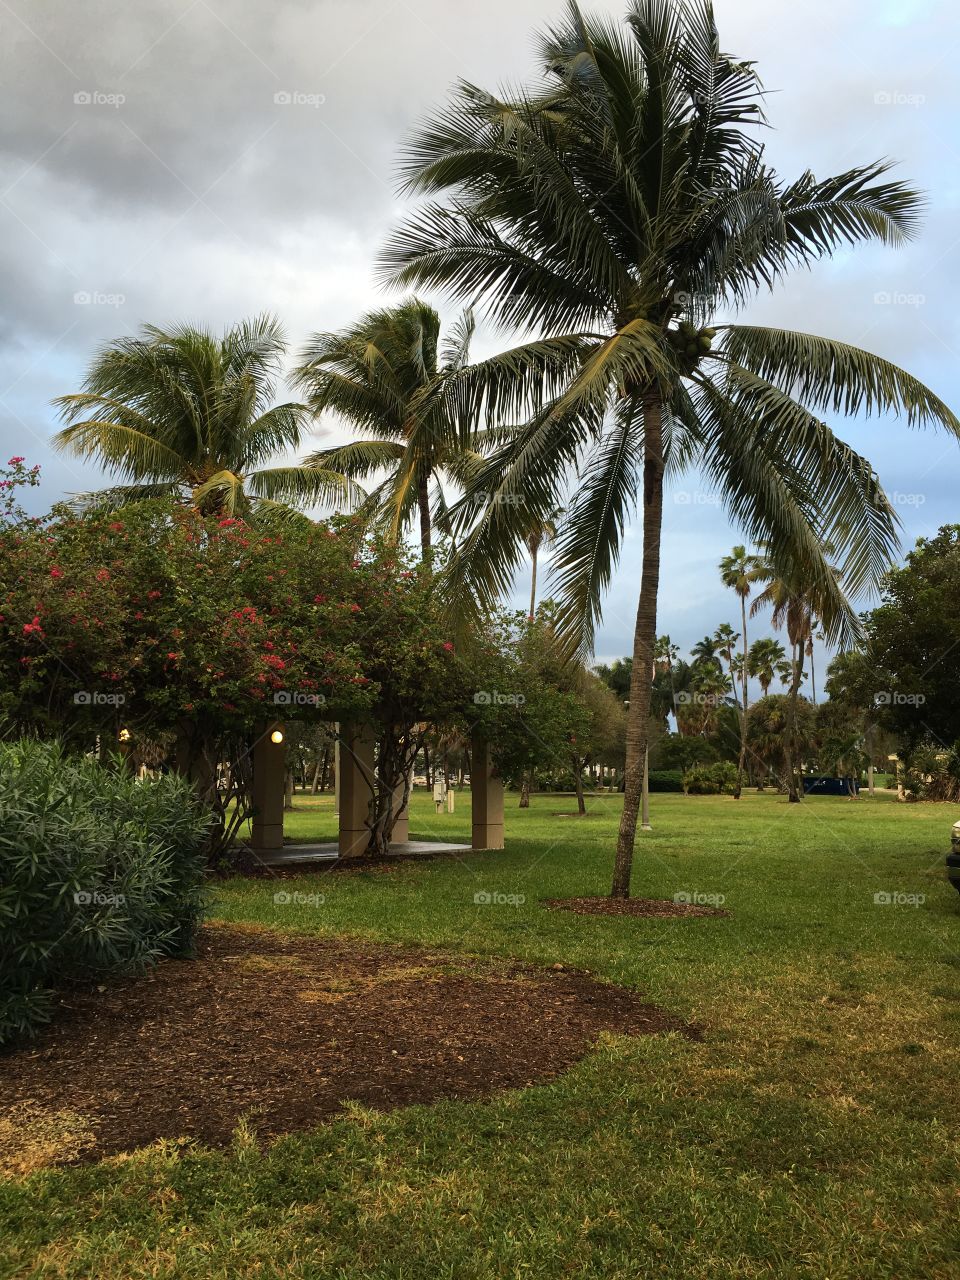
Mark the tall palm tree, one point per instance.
(614, 209)
(384, 376)
(665, 655)
(725, 639)
(184, 412)
(705, 653)
(796, 608)
(738, 570)
(540, 534)
(768, 658)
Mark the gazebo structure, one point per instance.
(357, 743)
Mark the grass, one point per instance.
(812, 1133)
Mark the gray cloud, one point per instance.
(200, 196)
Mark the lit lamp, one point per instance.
(277, 736)
(124, 735)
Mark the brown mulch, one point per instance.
(285, 1029)
(658, 907)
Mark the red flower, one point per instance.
(56, 573)
(448, 646)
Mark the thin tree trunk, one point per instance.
(790, 737)
(525, 792)
(578, 783)
(317, 770)
(533, 581)
(813, 675)
(423, 501)
(644, 639)
(741, 763)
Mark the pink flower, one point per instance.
(448, 646)
(56, 573)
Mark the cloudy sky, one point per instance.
(205, 160)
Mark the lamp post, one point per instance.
(645, 791)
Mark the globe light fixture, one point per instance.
(277, 736)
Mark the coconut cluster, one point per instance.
(690, 343)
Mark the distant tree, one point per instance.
(913, 642)
(384, 375)
(183, 413)
(767, 660)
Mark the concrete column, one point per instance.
(269, 774)
(487, 798)
(356, 780)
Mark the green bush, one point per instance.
(100, 874)
(666, 780)
(712, 779)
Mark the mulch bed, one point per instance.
(285, 1029)
(656, 907)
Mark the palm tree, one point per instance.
(796, 607)
(768, 658)
(541, 533)
(738, 570)
(183, 412)
(725, 638)
(705, 653)
(665, 655)
(384, 375)
(614, 208)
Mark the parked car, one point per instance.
(953, 858)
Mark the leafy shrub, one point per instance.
(666, 780)
(712, 780)
(99, 875)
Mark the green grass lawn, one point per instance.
(812, 1133)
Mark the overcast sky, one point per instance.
(204, 160)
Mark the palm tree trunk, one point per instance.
(741, 763)
(423, 501)
(533, 582)
(644, 639)
(578, 783)
(790, 737)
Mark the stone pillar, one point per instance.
(356, 779)
(401, 828)
(269, 775)
(487, 798)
